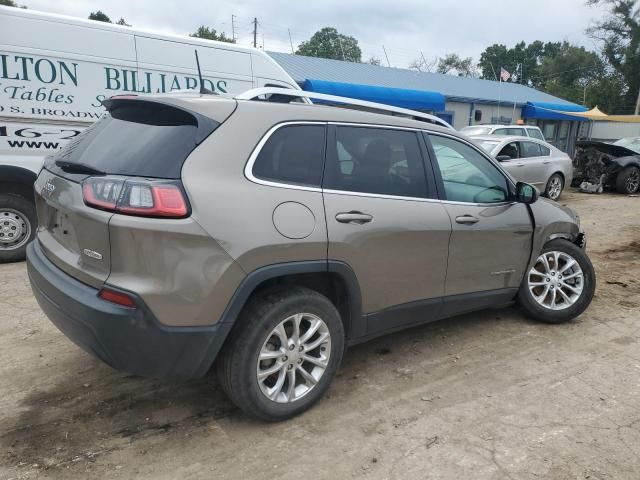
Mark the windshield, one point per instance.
(632, 143)
(476, 130)
(488, 145)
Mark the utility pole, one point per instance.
(340, 45)
(255, 32)
(385, 55)
(424, 60)
(233, 28)
(290, 41)
(637, 110)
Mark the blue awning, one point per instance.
(551, 111)
(413, 99)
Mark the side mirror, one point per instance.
(503, 158)
(526, 193)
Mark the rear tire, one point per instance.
(17, 226)
(554, 187)
(266, 328)
(560, 292)
(628, 180)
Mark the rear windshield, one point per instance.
(138, 138)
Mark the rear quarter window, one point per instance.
(293, 154)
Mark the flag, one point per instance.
(504, 75)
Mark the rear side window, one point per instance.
(530, 149)
(509, 131)
(138, 138)
(293, 154)
(377, 161)
(544, 151)
(535, 133)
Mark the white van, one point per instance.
(56, 70)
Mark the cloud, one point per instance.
(405, 28)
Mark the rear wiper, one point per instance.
(72, 167)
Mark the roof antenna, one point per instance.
(203, 90)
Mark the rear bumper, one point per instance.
(125, 338)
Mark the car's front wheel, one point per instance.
(283, 354)
(560, 285)
(628, 180)
(554, 187)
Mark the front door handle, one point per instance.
(466, 219)
(354, 217)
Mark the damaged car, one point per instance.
(599, 166)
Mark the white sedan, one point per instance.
(532, 161)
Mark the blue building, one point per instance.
(461, 101)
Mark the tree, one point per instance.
(328, 43)
(423, 65)
(521, 58)
(11, 3)
(211, 34)
(453, 64)
(373, 60)
(122, 22)
(99, 16)
(619, 35)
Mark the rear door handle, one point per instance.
(520, 165)
(466, 219)
(357, 218)
(547, 162)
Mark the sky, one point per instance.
(406, 28)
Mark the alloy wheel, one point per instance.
(555, 187)
(633, 181)
(556, 281)
(293, 358)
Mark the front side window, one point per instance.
(376, 161)
(530, 149)
(466, 174)
(293, 154)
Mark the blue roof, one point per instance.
(400, 97)
(464, 89)
(544, 111)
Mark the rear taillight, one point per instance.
(141, 197)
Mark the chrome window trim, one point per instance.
(248, 168)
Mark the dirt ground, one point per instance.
(483, 396)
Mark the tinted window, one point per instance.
(535, 133)
(139, 139)
(376, 160)
(544, 151)
(293, 154)
(530, 149)
(467, 175)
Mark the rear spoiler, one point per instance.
(154, 112)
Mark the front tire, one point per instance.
(17, 226)
(628, 180)
(560, 285)
(554, 187)
(282, 354)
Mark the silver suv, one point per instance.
(267, 236)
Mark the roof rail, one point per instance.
(371, 106)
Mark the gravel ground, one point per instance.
(483, 396)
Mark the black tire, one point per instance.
(547, 188)
(628, 180)
(237, 363)
(544, 314)
(16, 212)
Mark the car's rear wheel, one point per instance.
(17, 215)
(560, 285)
(283, 354)
(554, 187)
(628, 180)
